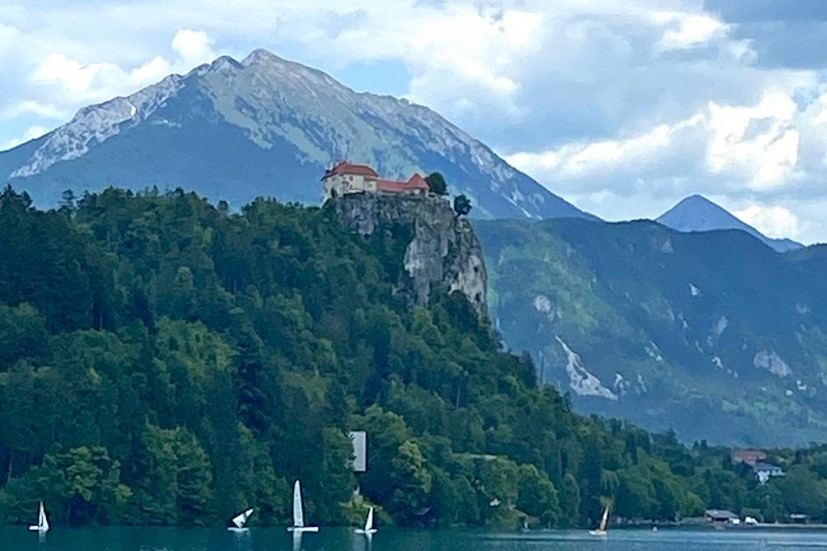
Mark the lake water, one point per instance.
(13, 538)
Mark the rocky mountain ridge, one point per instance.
(264, 126)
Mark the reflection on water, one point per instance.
(242, 541)
(13, 538)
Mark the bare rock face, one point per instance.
(443, 248)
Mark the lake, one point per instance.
(13, 538)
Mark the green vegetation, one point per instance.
(462, 205)
(166, 362)
(437, 183)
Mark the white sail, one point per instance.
(602, 529)
(298, 514)
(369, 522)
(241, 520)
(42, 522)
(368, 530)
(604, 519)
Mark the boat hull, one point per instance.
(598, 532)
(300, 530)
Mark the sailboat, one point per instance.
(42, 525)
(603, 528)
(239, 522)
(368, 530)
(298, 513)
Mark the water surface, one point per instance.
(13, 538)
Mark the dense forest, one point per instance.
(167, 361)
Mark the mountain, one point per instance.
(697, 213)
(264, 127)
(711, 334)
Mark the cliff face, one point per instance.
(443, 249)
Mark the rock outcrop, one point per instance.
(443, 248)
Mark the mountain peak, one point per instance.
(260, 56)
(696, 213)
(266, 126)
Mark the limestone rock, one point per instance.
(443, 248)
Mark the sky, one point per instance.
(622, 107)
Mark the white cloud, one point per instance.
(9, 34)
(773, 220)
(78, 83)
(31, 133)
(735, 149)
(32, 107)
(768, 158)
(686, 30)
(193, 46)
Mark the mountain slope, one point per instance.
(697, 213)
(265, 127)
(672, 330)
(178, 363)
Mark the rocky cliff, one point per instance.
(441, 248)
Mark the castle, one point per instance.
(346, 178)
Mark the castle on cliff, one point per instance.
(345, 178)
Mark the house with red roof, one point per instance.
(345, 178)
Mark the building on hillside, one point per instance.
(720, 516)
(748, 456)
(766, 470)
(345, 178)
(359, 439)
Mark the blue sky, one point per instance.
(621, 106)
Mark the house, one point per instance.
(345, 178)
(748, 456)
(765, 470)
(721, 516)
(799, 518)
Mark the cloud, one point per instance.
(32, 107)
(722, 147)
(80, 83)
(193, 47)
(31, 133)
(688, 30)
(772, 220)
(767, 161)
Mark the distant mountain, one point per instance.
(264, 127)
(711, 334)
(697, 213)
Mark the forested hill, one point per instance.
(163, 361)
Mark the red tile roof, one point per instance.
(416, 183)
(345, 168)
(391, 185)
